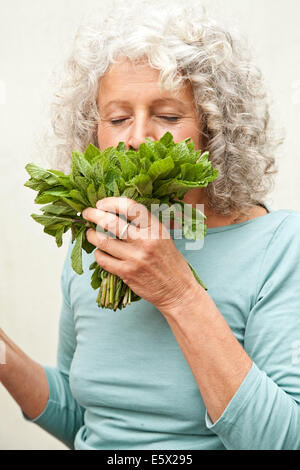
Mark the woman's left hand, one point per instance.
(146, 258)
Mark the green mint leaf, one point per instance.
(56, 209)
(93, 265)
(75, 194)
(37, 185)
(44, 198)
(146, 153)
(82, 183)
(101, 194)
(111, 174)
(161, 168)
(161, 150)
(180, 154)
(50, 195)
(76, 255)
(65, 181)
(87, 246)
(116, 189)
(151, 149)
(121, 147)
(188, 171)
(178, 187)
(131, 193)
(52, 229)
(59, 234)
(143, 184)
(81, 166)
(144, 165)
(111, 155)
(99, 169)
(91, 153)
(147, 201)
(128, 168)
(50, 219)
(95, 279)
(92, 195)
(167, 140)
(74, 205)
(40, 174)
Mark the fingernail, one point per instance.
(84, 214)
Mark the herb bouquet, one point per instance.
(157, 173)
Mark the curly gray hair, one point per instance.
(184, 44)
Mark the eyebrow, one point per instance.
(154, 102)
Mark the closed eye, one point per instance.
(167, 118)
(117, 121)
(170, 118)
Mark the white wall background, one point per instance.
(34, 37)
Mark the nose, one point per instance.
(140, 129)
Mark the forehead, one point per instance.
(127, 80)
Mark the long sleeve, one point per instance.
(62, 416)
(264, 413)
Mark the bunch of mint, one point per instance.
(159, 172)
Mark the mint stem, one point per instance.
(125, 297)
(112, 280)
(107, 291)
(104, 282)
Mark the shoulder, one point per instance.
(286, 224)
(282, 250)
(280, 230)
(277, 223)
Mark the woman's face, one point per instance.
(132, 107)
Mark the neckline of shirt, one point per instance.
(223, 228)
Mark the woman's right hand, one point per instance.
(23, 378)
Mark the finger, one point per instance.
(133, 211)
(109, 221)
(112, 246)
(109, 263)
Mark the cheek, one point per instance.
(99, 136)
(188, 129)
(106, 137)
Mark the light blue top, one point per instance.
(122, 382)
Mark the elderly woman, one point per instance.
(183, 368)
